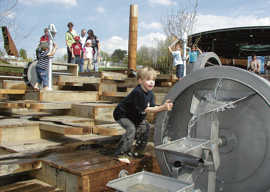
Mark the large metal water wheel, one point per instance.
(244, 130)
(207, 59)
(30, 74)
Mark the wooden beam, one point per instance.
(12, 91)
(61, 129)
(114, 94)
(71, 68)
(109, 129)
(97, 111)
(48, 106)
(63, 79)
(63, 96)
(13, 84)
(113, 76)
(33, 185)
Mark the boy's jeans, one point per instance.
(77, 60)
(42, 76)
(140, 133)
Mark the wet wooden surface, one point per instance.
(90, 170)
(33, 185)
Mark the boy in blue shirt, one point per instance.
(193, 54)
(131, 112)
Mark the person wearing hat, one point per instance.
(42, 66)
(70, 34)
(45, 37)
(76, 51)
(88, 55)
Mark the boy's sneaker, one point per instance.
(135, 154)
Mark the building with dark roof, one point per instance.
(237, 43)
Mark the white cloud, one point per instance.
(151, 39)
(116, 42)
(212, 22)
(60, 52)
(163, 2)
(68, 3)
(11, 15)
(100, 10)
(8, 14)
(153, 25)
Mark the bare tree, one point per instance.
(182, 21)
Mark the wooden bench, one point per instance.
(71, 68)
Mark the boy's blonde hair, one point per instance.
(146, 72)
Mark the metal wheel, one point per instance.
(30, 74)
(244, 130)
(206, 59)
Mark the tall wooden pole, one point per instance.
(133, 33)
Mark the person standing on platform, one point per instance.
(88, 56)
(76, 51)
(96, 48)
(193, 54)
(43, 64)
(70, 34)
(177, 59)
(83, 38)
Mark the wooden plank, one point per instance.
(96, 111)
(13, 84)
(11, 123)
(8, 105)
(33, 185)
(113, 76)
(76, 79)
(61, 129)
(31, 145)
(48, 106)
(19, 166)
(108, 86)
(12, 91)
(72, 68)
(129, 82)
(161, 89)
(59, 178)
(114, 94)
(18, 130)
(67, 118)
(166, 84)
(63, 96)
(109, 129)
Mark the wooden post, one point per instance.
(133, 32)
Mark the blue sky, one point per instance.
(110, 19)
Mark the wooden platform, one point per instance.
(33, 185)
(15, 130)
(88, 170)
(64, 79)
(12, 84)
(62, 96)
(100, 112)
(71, 68)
